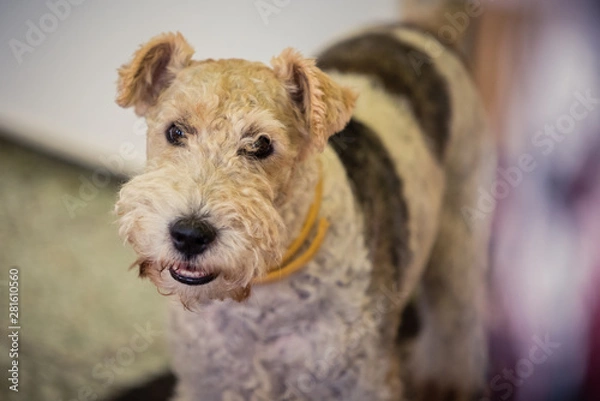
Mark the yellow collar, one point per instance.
(288, 264)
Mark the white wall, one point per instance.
(59, 92)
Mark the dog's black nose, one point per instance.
(192, 235)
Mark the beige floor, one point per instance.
(80, 307)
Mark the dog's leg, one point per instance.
(450, 355)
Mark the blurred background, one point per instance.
(90, 329)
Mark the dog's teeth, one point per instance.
(184, 270)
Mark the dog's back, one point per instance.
(417, 151)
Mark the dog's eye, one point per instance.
(175, 135)
(261, 148)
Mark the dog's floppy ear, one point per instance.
(152, 69)
(325, 105)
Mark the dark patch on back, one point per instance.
(433, 32)
(402, 70)
(379, 191)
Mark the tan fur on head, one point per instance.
(325, 105)
(222, 107)
(153, 68)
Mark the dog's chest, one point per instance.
(286, 351)
(317, 335)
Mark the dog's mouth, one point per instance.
(191, 275)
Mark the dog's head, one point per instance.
(224, 140)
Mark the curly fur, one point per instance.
(330, 331)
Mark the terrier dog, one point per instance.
(312, 218)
